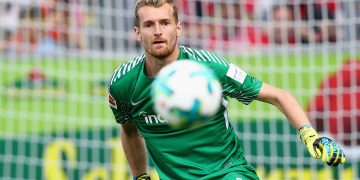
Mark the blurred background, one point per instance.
(56, 57)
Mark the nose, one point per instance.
(158, 31)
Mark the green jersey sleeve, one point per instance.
(239, 85)
(236, 83)
(120, 88)
(121, 110)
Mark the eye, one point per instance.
(165, 23)
(147, 25)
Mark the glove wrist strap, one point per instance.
(305, 126)
(144, 176)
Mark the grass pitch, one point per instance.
(83, 105)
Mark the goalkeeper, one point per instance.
(211, 150)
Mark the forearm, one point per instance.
(286, 103)
(293, 111)
(135, 151)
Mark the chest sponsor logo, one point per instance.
(152, 118)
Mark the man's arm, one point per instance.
(287, 104)
(318, 147)
(134, 147)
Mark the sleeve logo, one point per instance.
(236, 73)
(112, 102)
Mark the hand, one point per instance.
(322, 147)
(142, 177)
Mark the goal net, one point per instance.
(56, 57)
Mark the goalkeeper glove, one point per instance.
(142, 177)
(321, 147)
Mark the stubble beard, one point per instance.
(163, 52)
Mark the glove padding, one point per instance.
(142, 177)
(322, 147)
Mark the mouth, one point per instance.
(159, 42)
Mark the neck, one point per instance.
(153, 65)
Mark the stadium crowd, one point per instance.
(46, 26)
(252, 23)
(40, 26)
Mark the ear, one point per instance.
(137, 34)
(178, 29)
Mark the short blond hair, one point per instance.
(155, 3)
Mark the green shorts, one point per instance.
(243, 172)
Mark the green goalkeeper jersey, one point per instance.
(210, 150)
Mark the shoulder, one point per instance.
(205, 57)
(126, 71)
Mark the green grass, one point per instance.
(300, 74)
(78, 108)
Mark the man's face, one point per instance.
(158, 30)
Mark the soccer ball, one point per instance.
(186, 93)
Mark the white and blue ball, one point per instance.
(186, 93)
